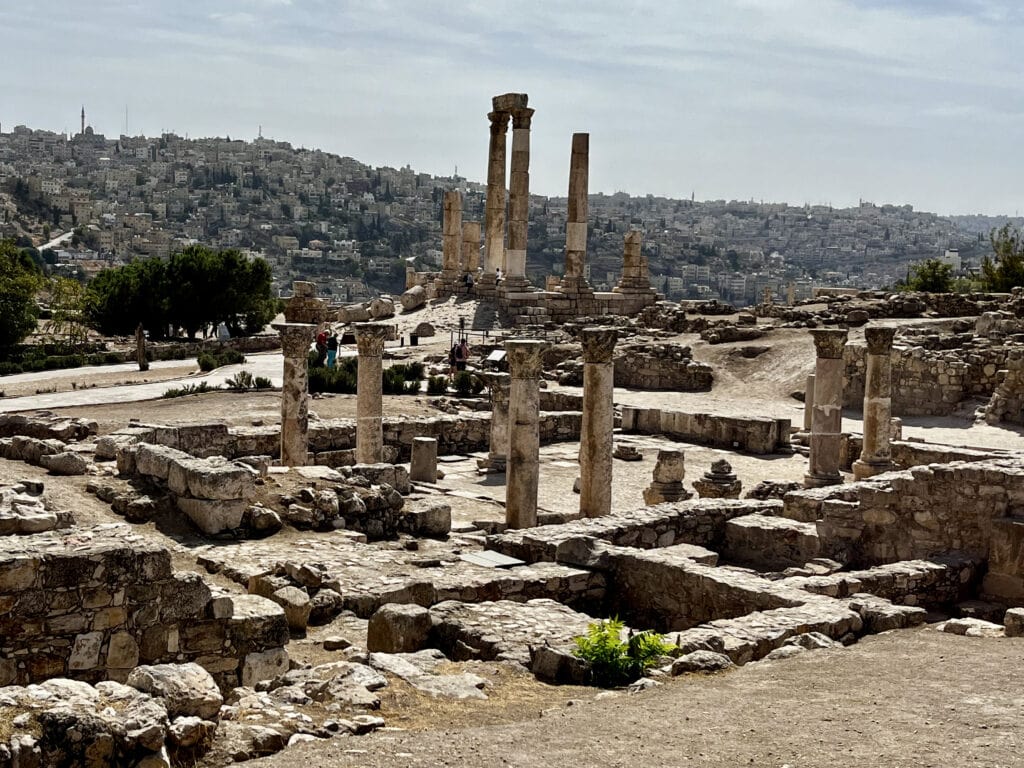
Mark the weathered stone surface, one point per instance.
(971, 628)
(701, 661)
(213, 516)
(395, 628)
(65, 463)
(186, 689)
(296, 604)
(264, 665)
(1013, 622)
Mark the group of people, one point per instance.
(458, 356)
(326, 348)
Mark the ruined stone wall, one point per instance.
(927, 382)
(91, 604)
(661, 366)
(752, 434)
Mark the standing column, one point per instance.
(471, 247)
(827, 418)
(518, 201)
(370, 339)
(524, 361)
(494, 212)
(809, 403)
(576, 218)
(451, 241)
(497, 455)
(875, 457)
(295, 341)
(598, 422)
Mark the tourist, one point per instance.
(461, 355)
(332, 348)
(468, 281)
(497, 275)
(321, 348)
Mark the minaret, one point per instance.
(83, 118)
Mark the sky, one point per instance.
(798, 101)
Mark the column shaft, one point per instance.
(370, 339)
(451, 241)
(598, 422)
(295, 341)
(808, 403)
(827, 418)
(875, 456)
(522, 477)
(494, 212)
(470, 246)
(518, 199)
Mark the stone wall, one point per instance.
(92, 604)
(661, 366)
(928, 382)
(752, 434)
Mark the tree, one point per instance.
(931, 275)
(67, 311)
(1006, 270)
(20, 278)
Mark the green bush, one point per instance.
(190, 389)
(240, 382)
(208, 360)
(614, 661)
(437, 385)
(463, 383)
(262, 382)
(340, 379)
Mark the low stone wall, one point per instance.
(661, 367)
(769, 543)
(46, 427)
(700, 522)
(92, 604)
(927, 382)
(751, 434)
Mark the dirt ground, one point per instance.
(903, 699)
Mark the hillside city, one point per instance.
(354, 228)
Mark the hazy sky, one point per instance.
(906, 101)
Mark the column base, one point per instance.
(821, 481)
(864, 469)
(492, 465)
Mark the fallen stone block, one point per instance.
(186, 689)
(65, 463)
(398, 628)
(213, 516)
(1013, 622)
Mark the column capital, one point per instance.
(829, 342)
(598, 344)
(521, 118)
(370, 338)
(499, 122)
(295, 338)
(879, 339)
(524, 357)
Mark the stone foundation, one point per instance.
(754, 435)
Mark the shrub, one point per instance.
(240, 382)
(190, 389)
(463, 383)
(437, 385)
(412, 387)
(340, 379)
(208, 360)
(614, 661)
(262, 382)
(478, 385)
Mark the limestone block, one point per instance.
(701, 661)
(213, 516)
(220, 481)
(431, 520)
(186, 689)
(155, 460)
(296, 604)
(398, 628)
(1013, 622)
(264, 665)
(65, 463)
(123, 651)
(257, 623)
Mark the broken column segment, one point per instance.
(423, 464)
(827, 414)
(514, 279)
(719, 482)
(875, 456)
(295, 341)
(451, 244)
(370, 338)
(497, 456)
(598, 421)
(574, 280)
(667, 485)
(524, 361)
(471, 247)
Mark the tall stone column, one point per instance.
(598, 422)
(875, 456)
(451, 241)
(809, 403)
(471, 246)
(522, 476)
(494, 212)
(518, 201)
(576, 216)
(497, 455)
(827, 415)
(295, 341)
(370, 339)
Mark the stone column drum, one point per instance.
(598, 422)
(524, 360)
(423, 465)
(497, 455)
(827, 415)
(518, 200)
(295, 341)
(494, 212)
(875, 456)
(576, 216)
(471, 246)
(370, 339)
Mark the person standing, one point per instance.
(321, 348)
(332, 349)
(462, 355)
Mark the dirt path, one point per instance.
(908, 698)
